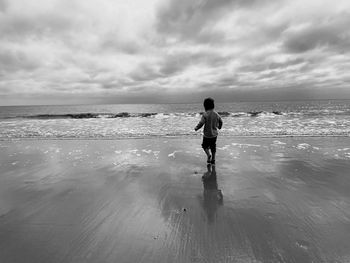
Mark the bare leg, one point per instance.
(208, 154)
(213, 155)
(213, 152)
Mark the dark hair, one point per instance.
(208, 104)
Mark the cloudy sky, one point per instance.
(112, 51)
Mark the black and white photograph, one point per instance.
(174, 131)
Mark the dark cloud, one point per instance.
(228, 81)
(12, 60)
(145, 72)
(332, 33)
(176, 63)
(3, 5)
(114, 43)
(109, 85)
(256, 67)
(173, 65)
(257, 34)
(18, 27)
(187, 19)
(4, 89)
(210, 37)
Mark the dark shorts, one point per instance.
(209, 143)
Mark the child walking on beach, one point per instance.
(212, 122)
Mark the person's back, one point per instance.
(212, 123)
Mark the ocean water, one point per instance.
(266, 119)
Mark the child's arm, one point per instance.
(219, 122)
(200, 124)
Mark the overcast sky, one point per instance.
(108, 51)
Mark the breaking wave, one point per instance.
(140, 121)
(145, 115)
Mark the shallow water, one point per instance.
(317, 118)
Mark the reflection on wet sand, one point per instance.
(212, 196)
(98, 201)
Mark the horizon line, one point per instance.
(195, 102)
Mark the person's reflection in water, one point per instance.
(212, 196)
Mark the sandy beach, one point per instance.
(144, 200)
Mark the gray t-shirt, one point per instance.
(212, 122)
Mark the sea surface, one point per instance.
(266, 119)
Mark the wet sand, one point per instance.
(144, 200)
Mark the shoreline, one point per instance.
(175, 137)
